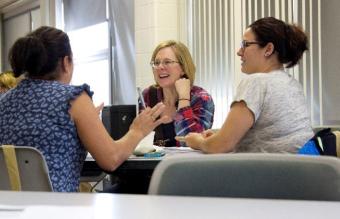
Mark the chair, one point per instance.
(272, 176)
(32, 170)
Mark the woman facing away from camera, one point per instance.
(189, 108)
(269, 112)
(46, 112)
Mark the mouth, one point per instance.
(162, 76)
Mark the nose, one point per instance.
(240, 52)
(161, 65)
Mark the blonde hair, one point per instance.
(182, 54)
(7, 80)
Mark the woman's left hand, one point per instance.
(183, 88)
(100, 108)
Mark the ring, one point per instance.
(153, 118)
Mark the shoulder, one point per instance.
(198, 91)
(200, 94)
(256, 77)
(262, 79)
(150, 89)
(72, 91)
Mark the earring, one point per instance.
(266, 54)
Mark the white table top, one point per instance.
(147, 206)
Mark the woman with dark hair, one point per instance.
(59, 119)
(269, 112)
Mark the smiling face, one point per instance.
(169, 70)
(252, 55)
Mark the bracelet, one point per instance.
(183, 99)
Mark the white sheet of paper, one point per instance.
(145, 145)
(57, 212)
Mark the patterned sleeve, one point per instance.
(74, 91)
(198, 116)
(79, 89)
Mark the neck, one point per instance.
(170, 95)
(272, 65)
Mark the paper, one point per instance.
(9, 211)
(46, 211)
(57, 212)
(145, 145)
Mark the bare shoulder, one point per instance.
(82, 105)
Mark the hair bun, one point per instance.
(28, 54)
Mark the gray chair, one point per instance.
(32, 169)
(272, 176)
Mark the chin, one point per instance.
(165, 84)
(245, 70)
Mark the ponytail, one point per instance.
(28, 54)
(38, 54)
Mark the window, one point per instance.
(102, 40)
(90, 46)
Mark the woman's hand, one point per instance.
(148, 119)
(194, 140)
(208, 133)
(99, 108)
(183, 88)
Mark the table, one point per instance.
(166, 207)
(133, 176)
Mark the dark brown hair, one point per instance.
(39, 53)
(289, 41)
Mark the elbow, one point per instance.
(112, 164)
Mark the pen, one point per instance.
(140, 95)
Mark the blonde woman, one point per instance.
(189, 108)
(7, 81)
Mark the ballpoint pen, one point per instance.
(140, 95)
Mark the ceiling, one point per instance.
(5, 3)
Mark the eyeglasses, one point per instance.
(245, 44)
(166, 63)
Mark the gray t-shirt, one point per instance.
(282, 121)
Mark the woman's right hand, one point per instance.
(148, 119)
(208, 133)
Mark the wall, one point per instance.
(155, 21)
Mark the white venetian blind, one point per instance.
(215, 31)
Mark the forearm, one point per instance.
(183, 102)
(127, 144)
(217, 144)
(239, 121)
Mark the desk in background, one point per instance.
(166, 207)
(133, 175)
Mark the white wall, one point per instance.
(155, 21)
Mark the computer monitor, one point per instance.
(117, 119)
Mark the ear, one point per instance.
(269, 49)
(67, 64)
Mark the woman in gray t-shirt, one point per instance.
(269, 112)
